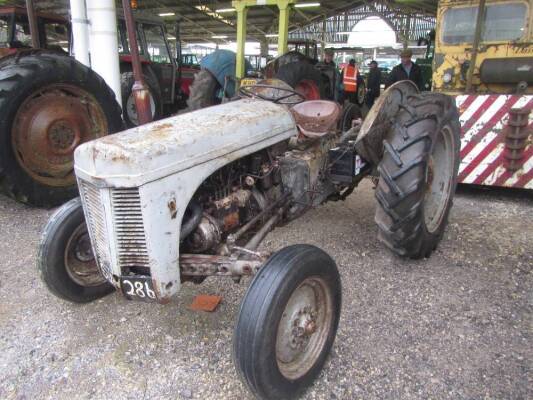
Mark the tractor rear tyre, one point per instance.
(204, 91)
(287, 322)
(418, 175)
(305, 79)
(130, 110)
(350, 112)
(49, 104)
(65, 261)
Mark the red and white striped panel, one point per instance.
(482, 141)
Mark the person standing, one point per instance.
(329, 68)
(373, 84)
(350, 79)
(406, 70)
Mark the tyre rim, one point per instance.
(361, 94)
(304, 328)
(49, 125)
(308, 89)
(79, 259)
(131, 109)
(439, 180)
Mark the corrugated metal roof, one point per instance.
(200, 19)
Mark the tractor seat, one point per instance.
(315, 118)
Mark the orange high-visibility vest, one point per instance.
(350, 78)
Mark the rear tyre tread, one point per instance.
(401, 189)
(21, 74)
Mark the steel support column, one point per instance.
(283, 28)
(240, 6)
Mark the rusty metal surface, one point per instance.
(32, 20)
(214, 265)
(516, 134)
(315, 118)
(140, 88)
(165, 147)
(205, 302)
(47, 128)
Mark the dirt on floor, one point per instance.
(456, 326)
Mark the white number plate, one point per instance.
(138, 288)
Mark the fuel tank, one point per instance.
(507, 70)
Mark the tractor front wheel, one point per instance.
(288, 322)
(66, 261)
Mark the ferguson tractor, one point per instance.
(193, 196)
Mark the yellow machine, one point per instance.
(502, 58)
(484, 57)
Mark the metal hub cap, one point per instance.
(304, 327)
(439, 180)
(79, 259)
(47, 128)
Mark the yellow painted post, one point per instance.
(240, 7)
(283, 29)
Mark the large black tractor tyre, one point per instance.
(49, 104)
(299, 72)
(287, 322)
(65, 260)
(130, 110)
(204, 91)
(418, 175)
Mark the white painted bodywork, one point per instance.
(168, 160)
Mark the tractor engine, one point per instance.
(231, 197)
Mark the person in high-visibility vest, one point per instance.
(350, 80)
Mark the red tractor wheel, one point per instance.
(304, 78)
(49, 104)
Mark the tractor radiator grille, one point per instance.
(129, 229)
(96, 223)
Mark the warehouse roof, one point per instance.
(200, 20)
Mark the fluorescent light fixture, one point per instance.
(225, 10)
(271, 35)
(219, 36)
(167, 14)
(305, 5)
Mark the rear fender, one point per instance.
(378, 122)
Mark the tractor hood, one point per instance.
(153, 151)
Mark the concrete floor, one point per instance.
(456, 326)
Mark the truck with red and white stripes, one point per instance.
(484, 57)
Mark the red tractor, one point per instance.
(50, 103)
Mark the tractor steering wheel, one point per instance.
(248, 91)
